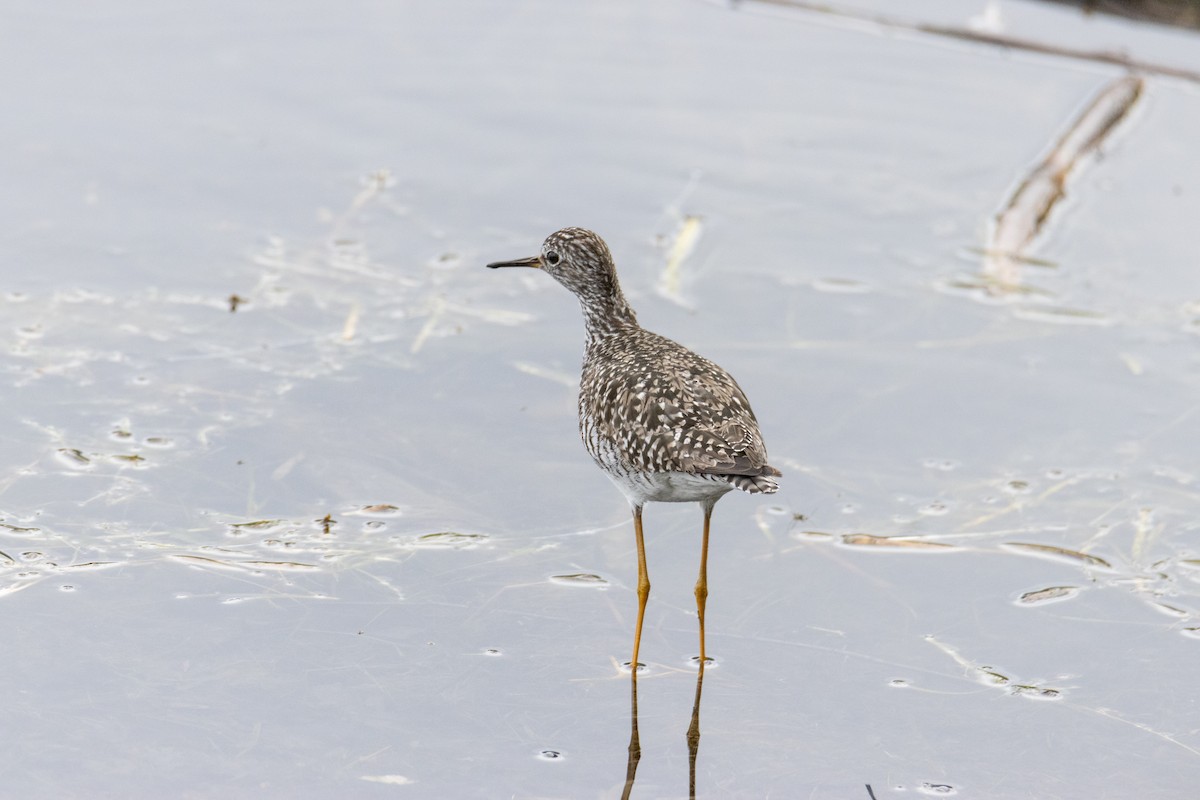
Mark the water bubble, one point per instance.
(550, 755)
(940, 789)
(66, 587)
(899, 683)
(492, 651)
(709, 662)
(934, 509)
(1017, 487)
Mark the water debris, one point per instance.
(374, 184)
(870, 540)
(822, 535)
(234, 302)
(276, 565)
(87, 566)
(1068, 316)
(186, 558)
(841, 286)
(1059, 552)
(350, 326)
(1025, 214)
(1132, 363)
(562, 378)
(1049, 594)
(74, 458)
(1036, 692)
(241, 566)
(436, 309)
(579, 579)
(682, 246)
(393, 780)
(258, 525)
(990, 676)
(382, 509)
(13, 588)
(450, 539)
(17, 530)
(983, 34)
(1146, 533)
(327, 524)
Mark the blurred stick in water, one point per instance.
(1176, 13)
(1025, 213)
(988, 37)
(670, 285)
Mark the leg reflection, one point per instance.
(693, 734)
(635, 745)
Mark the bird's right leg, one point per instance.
(643, 585)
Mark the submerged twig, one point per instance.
(1025, 213)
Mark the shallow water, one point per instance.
(344, 538)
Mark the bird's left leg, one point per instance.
(702, 580)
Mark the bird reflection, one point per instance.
(635, 745)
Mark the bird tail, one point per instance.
(757, 484)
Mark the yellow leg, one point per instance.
(643, 585)
(702, 581)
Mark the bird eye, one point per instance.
(552, 258)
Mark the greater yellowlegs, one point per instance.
(665, 424)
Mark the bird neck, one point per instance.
(606, 313)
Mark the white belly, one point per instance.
(669, 487)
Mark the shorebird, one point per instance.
(665, 424)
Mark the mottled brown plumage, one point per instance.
(665, 424)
